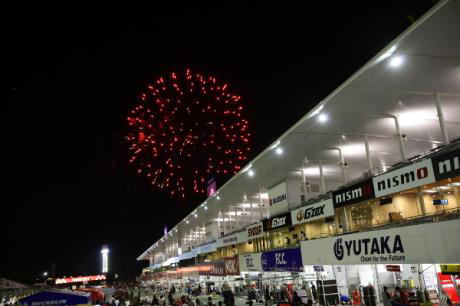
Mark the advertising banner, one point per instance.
(215, 268)
(312, 212)
(232, 239)
(353, 194)
(277, 222)
(424, 243)
(250, 262)
(207, 248)
(232, 266)
(408, 177)
(255, 230)
(289, 260)
(447, 165)
(278, 201)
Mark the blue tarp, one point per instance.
(56, 297)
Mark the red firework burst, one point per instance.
(186, 128)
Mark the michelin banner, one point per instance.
(425, 243)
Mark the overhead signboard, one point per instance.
(289, 260)
(236, 238)
(278, 199)
(393, 268)
(447, 165)
(255, 230)
(313, 212)
(277, 222)
(424, 243)
(450, 269)
(411, 176)
(232, 266)
(207, 248)
(353, 194)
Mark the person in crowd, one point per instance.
(229, 299)
(154, 300)
(296, 300)
(386, 297)
(197, 302)
(210, 301)
(397, 296)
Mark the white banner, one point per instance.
(255, 230)
(233, 239)
(408, 177)
(277, 196)
(313, 212)
(425, 243)
(250, 262)
(207, 248)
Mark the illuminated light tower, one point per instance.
(105, 259)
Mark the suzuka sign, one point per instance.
(312, 212)
(255, 230)
(423, 243)
(411, 176)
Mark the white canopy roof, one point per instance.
(401, 81)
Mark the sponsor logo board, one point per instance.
(408, 177)
(232, 239)
(277, 260)
(424, 243)
(353, 194)
(313, 212)
(232, 266)
(278, 200)
(277, 222)
(446, 165)
(255, 230)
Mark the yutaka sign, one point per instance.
(424, 243)
(411, 176)
(390, 247)
(313, 212)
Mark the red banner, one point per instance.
(232, 266)
(393, 268)
(79, 279)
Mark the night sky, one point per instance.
(73, 73)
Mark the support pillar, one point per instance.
(260, 205)
(236, 219)
(342, 166)
(321, 176)
(252, 212)
(368, 154)
(400, 140)
(442, 124)
(421, 201)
